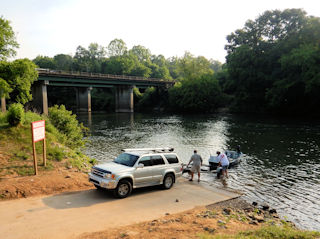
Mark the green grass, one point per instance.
(268, 232)
(55, 153)
(25, 170)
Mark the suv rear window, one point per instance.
(156, 160)
(171, 158)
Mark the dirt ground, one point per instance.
(56, 180)
(46, 183)
(224, 218)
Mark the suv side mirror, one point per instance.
(140, 165)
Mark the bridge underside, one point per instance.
(84, 82)
(123, 97)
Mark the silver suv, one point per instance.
(136, 168)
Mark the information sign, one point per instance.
(38, 130)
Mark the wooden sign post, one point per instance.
(38, 133)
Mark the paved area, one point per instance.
(71, 214)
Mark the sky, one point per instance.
(166, 27)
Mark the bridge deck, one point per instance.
(64, 78)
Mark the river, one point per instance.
(282, 156)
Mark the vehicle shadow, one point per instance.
(90, 197)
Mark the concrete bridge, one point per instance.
(84, 82)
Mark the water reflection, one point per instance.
(282, 165)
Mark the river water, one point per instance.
(282, 156)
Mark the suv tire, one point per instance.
(168, 181)
(123, 189)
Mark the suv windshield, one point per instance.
(126, 159)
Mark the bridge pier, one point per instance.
(84, 99)
(40, 97)
(124, 99)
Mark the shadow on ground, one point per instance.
(90, 197)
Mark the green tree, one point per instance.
(298, 89)
(116, 47)
(202, 94)
(256, 59)
(19, 75)
(8, 42)
(143, 54)
(90, 59)
(5, 89)
(190, 67)
(63, 62)
(215, 65)
(82, 59)
(45, 62)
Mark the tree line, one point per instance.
(190, 72)
(272, 66)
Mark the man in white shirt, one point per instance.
(224, 162)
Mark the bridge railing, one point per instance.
(43, 71)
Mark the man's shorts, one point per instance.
(195, 169)
(225, 167)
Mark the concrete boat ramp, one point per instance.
(69, 215)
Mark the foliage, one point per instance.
(15, 114)
(63, 62)
(5, 89)
(45, 62)
(7, 40)
(116, 47)
(199, 95)
(19, 75)
(190, 67)
(55, 153)
(299, 88)
(68, 125)
(3, 119)
(273, 63)
(90, 59)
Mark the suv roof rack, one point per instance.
(158, 150)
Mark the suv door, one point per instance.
(158, 168)
(144, 176)
(174, 163)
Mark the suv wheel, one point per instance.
(168, 181)
(123, 189)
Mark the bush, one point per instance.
(31, 117)
(68, 125)
(15, 114)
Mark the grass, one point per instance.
(268, 232)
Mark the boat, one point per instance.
(234, 157)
